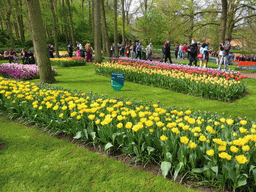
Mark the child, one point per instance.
(78, 52)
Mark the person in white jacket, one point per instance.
(149, 51)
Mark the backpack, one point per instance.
(163, 49)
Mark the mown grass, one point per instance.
(84, 78)
(35, 161)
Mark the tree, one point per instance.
(115, 29)
(223, 20)
(65, 21)
(55, 29)
(8, 21)
(39, 41)
(105, 28)
(97, 26)
(70, 22)
(123, 24)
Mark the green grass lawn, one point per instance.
(84, 78)
(35, 161)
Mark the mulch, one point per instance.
(249, 75)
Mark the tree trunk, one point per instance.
(16, 29)
(83, 9)
(19, 18)
(21, 27)
(223, 20)
(2, 25)
(115, 29)
(9, 25)
(105, 29)
(65, 21)
(103, 41)
(146, 5)
(123, 26)
(55, 29)
(39, 41)
(93, 18)
(97, 37)
(127, 18)
(70, 22)
(191, 28)
(90, 17)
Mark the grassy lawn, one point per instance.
(84, 78)
(35, 161)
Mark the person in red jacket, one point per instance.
(184, 51)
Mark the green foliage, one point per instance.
(57, 165)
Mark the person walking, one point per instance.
(134, 50)
(88, 50)
(78, 53)
(70, 49)
(112, 50)
(203, 56)
(127, 50)
(167, 47)
(6, 54)
(149, 51)
(131, 49)
(225, 56)
(138, 51)
(184, 51)
(176, 51)
(79, 45)
(192, 53)
(31, 58)
(24, 56)
(163, 51)
(180, 51)
(219, 56)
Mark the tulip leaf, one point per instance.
(230, 172)
(150, 150)
(169, 156)
(242, 180)
(215, 169)
(177, 170)
(108, 146)
(165, 168)
(93, 134)
(252, 168)
(135, 150)
(78, 135)
(86, 134)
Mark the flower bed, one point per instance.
(204, 83)
(20, 71)
(68, 61)
(245, 65)
(181, 66)
(205, 145)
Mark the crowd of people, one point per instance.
(26, 57)
(80, 51)
(193, 52)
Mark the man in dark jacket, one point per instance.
(167, 47)
(70, 49)
(192, 53)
